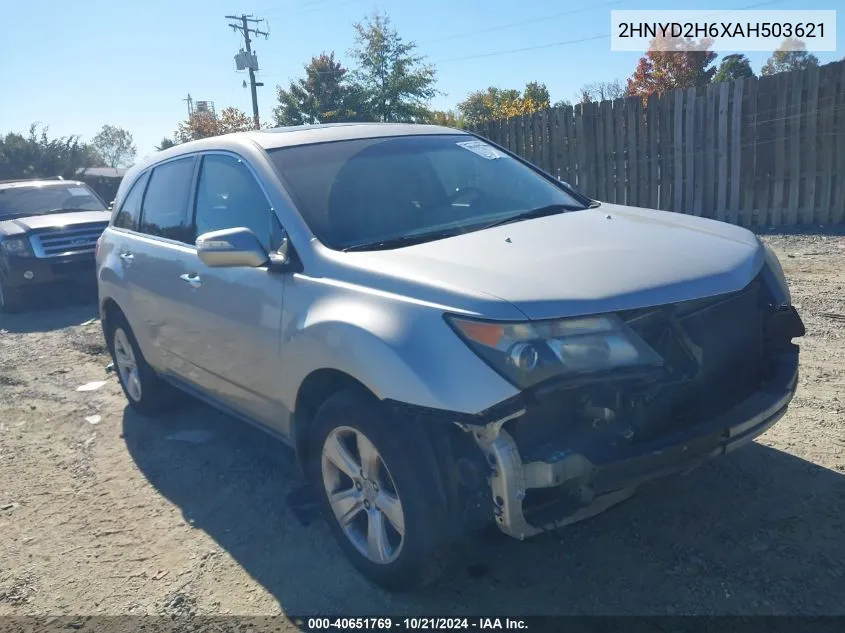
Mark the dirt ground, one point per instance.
(186, 514)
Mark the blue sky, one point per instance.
(77, 65)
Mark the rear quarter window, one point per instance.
(130, 211)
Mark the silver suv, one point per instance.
(447, 336)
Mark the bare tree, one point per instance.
(602, 91)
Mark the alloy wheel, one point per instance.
(362, 495)
(127, 367)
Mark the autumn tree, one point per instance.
(497, 103)
(204, 123)
(482, 105)
(448, 118)
(234, 120)
(324, 95)
(791, 55)
(672, 63)
(392, 82)
(733, 67)
(115, 145)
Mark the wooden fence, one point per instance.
(766, 151)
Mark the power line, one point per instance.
(247, 59)
(310, 7)
(579, 40)
(329, 6)
(520, 50)
(521, 23)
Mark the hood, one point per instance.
(53, 220)
(583, 262)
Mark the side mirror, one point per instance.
(231, 248)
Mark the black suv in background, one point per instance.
(48, 233)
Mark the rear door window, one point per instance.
(130, 211)
(165, 209)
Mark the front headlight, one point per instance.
(775, 277)
(15, 246)
(530, 352)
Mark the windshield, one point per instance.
(41, 199)
(370, 191)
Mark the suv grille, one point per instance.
(74, 240)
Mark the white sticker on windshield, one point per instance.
(482, 149)
(78, 191)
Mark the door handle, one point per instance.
(192, 279)
(127, 257)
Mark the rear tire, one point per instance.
(146, 392)
(365, 474)
(11, 300)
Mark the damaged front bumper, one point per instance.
(569, 448)
(575, 486)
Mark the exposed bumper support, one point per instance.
(593, 486)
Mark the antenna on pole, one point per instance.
(246, 59)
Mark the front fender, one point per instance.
(399, 351)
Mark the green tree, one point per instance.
(322, 96)
(538, 94)
(790, 55)
(733, 67)
(672, 63)
(38, 156)
(164, 144)
(393, 82)
(115, 145)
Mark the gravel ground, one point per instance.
(185, 514)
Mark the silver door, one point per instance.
(153, 258)
(233, 315)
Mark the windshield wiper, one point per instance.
(539, 212)
(402, 240)
(595, 204)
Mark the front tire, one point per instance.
(376, 496)
(146, 392)
(11, 300)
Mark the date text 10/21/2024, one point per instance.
(412, 624)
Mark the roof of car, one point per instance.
(322, 133)
(306, 134)
(46, 182)
(102, 172)
(292, 136)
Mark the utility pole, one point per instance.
(190, 106)
(249, 60)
